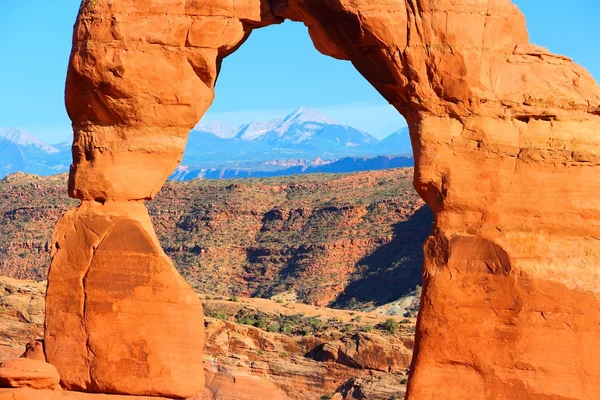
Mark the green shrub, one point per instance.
(287, 328)
(261, 323)
(391, 325)
(218, 315)
(315, 323)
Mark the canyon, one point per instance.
(505, 140)
(319, 239)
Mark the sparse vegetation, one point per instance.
(251, 237)
(218, 315)
(391, 325)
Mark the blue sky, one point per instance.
(276, 71)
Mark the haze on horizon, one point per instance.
(276, 71)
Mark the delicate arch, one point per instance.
(501, 130)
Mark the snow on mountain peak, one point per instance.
(217, 128)
(20, 137)
(255, 130)
(309, 114)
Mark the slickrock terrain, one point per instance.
(262, 349)
(506, 147)
(318, 238)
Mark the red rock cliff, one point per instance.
(506, 141)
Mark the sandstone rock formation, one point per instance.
(47, 394)
(119, 318)
(26, 372)
(34, 350)
(506, 148)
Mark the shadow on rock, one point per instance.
(393, 270)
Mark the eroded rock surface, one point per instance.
(119, 318)
(26, 372)
(507, 155)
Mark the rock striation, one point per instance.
(505, 136)
(28, 373)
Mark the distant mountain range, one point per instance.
(305, 141)
(300, 167)
(20, 151)
(304, 134)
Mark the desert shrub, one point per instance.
(391, 325)
(246, 319)
(287, 328)
(218, 315)
(315, 323)
(352, 304)
(261, 323)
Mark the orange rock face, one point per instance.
(119, 318)
(34, 350)
(506, 145)
(26, 372)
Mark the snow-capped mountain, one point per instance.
(218, 129)
(309, 128)
(22, 138)
(305, 134)
(21, 151)
(398, 142)
(256, 130)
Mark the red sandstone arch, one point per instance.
(506, 144)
